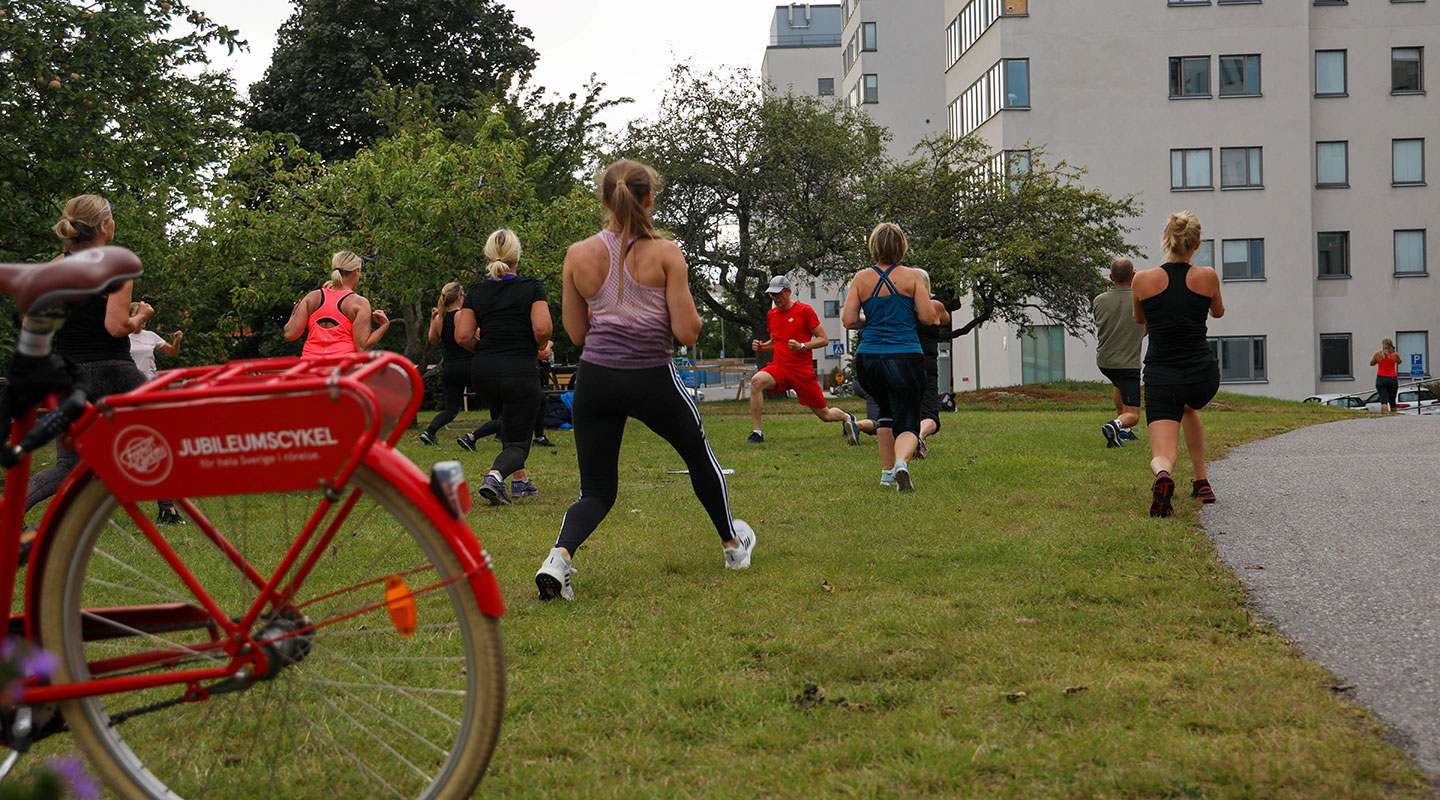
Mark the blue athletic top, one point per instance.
(889, 320)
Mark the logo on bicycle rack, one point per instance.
(143, 454)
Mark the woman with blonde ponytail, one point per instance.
(1387, 381)
(455, 365)
(336, 318)
(504, 320)
(627, 298)
(1181, 372)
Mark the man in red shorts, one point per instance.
(794, 332)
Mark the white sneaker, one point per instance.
(887, 478)
(902, 477)
(553, 578)
(739, 557)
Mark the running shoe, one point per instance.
(739, 557)
(466, 442)
(921, 451)
(1112, 435)
(493, 489)
(1200, 490)
(756, 437)
(169, 516)
(1129, 434)
(902, 476)
(1162, 490)
(541, 441)
(553, 577)
(426, 438)
(519, 489)
(852, 429)
(887, 478)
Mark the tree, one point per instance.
(756, 185)
(1014, 235)
(331, 53)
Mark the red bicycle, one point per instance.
(325, 617)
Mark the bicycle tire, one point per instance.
(378, 717)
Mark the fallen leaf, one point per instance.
(1024, 621)
(827, 586)
(1254, 566)
(1342, 687)
(949, 711)
(1015, 697)
(1075, 689)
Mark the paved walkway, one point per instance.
(1343, 523)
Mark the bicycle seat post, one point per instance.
(37, 335)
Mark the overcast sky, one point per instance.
(629, 44)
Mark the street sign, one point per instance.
(837, 348)
(1417, 365)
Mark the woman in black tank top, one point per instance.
(1181, 373)
(455, 367)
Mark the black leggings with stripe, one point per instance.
(605, 399)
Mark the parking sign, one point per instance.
(1417, 365)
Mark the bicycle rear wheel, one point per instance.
(353, 708)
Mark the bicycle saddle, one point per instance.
(36, 287)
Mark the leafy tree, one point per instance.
(1010, 238)
(756, 185)
(331, 53)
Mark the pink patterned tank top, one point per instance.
(629, 321)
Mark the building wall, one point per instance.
(907, 63)
(804, 47)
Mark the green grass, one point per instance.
(1025, 563)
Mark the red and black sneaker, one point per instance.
(1162, 490)
(1200, 490)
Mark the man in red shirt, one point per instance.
(794, 332)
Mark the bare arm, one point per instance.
(924, 309)
(540, 322)
(1217, 306)
(173, 348)
(818, 339)
(1138, 312)
(365, 338)
(465, 328)
(762, 347)
(942, 314)
(295, 326)
(684, 318)
(1375, 359)
(850, 314)
(574, 311)
(118, 321)
(437, 324)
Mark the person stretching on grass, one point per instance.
(626, 298)
(795, 331)
(1118, 353)
(1181, 372)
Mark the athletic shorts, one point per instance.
(896, 381)
(930, 401)
(1387, 386)
(1128, 382)
(801, 379)
(1168, 401)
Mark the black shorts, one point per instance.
(896, 381)
(1168, 401)
(930, 401)
(1387, 386)
(1128, 382)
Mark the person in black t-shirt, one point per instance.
(503, 321)
(455, 368)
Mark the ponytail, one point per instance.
(449, 294)
(81, 220)
(503, 250)
(623, 187)
(342, 264)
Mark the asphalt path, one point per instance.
(1335, 531)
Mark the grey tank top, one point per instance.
(629, 321)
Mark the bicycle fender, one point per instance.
(59, 505)
(402, 473)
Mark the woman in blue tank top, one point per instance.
(889, 361)
(1181, 373)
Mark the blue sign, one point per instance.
(837, 348)
(1417, 365)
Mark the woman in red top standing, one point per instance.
(1387, 383)
(332, 315)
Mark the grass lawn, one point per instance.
(1017, 627)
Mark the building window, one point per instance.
(1335, 357)
(1410, 253)
(1334, 254)
(1239, 76)
(1042, 354)
(1330, 73)
(867, 36)
(1332, 164)
(1190, 169)
(1204, 254)
(1240, 168)
(1190, 76)
(872, 88)
(1407, 162)
(1407, 68)
(1407, 344)
(1017, 83)
(972, 22)
(827, 87)
(832, 309)
(1243, 259)
(812, 290)
(1242, 358)
(854, 99)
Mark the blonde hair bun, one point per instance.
(1182, 233)
(503, 250)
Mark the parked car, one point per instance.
(1412, 398)
(1337, 400)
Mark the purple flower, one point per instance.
(40, 663)
(78, 782)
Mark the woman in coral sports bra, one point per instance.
(327, 316)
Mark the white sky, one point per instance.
(630, 44)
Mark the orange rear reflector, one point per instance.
(401, 604)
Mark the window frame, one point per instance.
(874, 37)
(1183, 95)
(1425, 354)
(1344, 73)
(1344, 183)
(828, 305)
(1344, 252)
(1184, 185)
(1245, 76)
(1251, 252)
(1005, 77)
(1217, 348)
(820, 87)
(1419, 71)
(1424, 271)
(1252, 181)
(1394, 177)
(1349, 374)
(1196, 262)
(869, 94)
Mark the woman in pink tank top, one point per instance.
(335, 319)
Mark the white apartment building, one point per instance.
(803, 57)
(1295, 129)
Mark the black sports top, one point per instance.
(84, 337)
(929, 339)
(1178, 352)
(454, 353)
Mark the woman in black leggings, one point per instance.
(513, 319)
(627, 297)
(455, 368)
